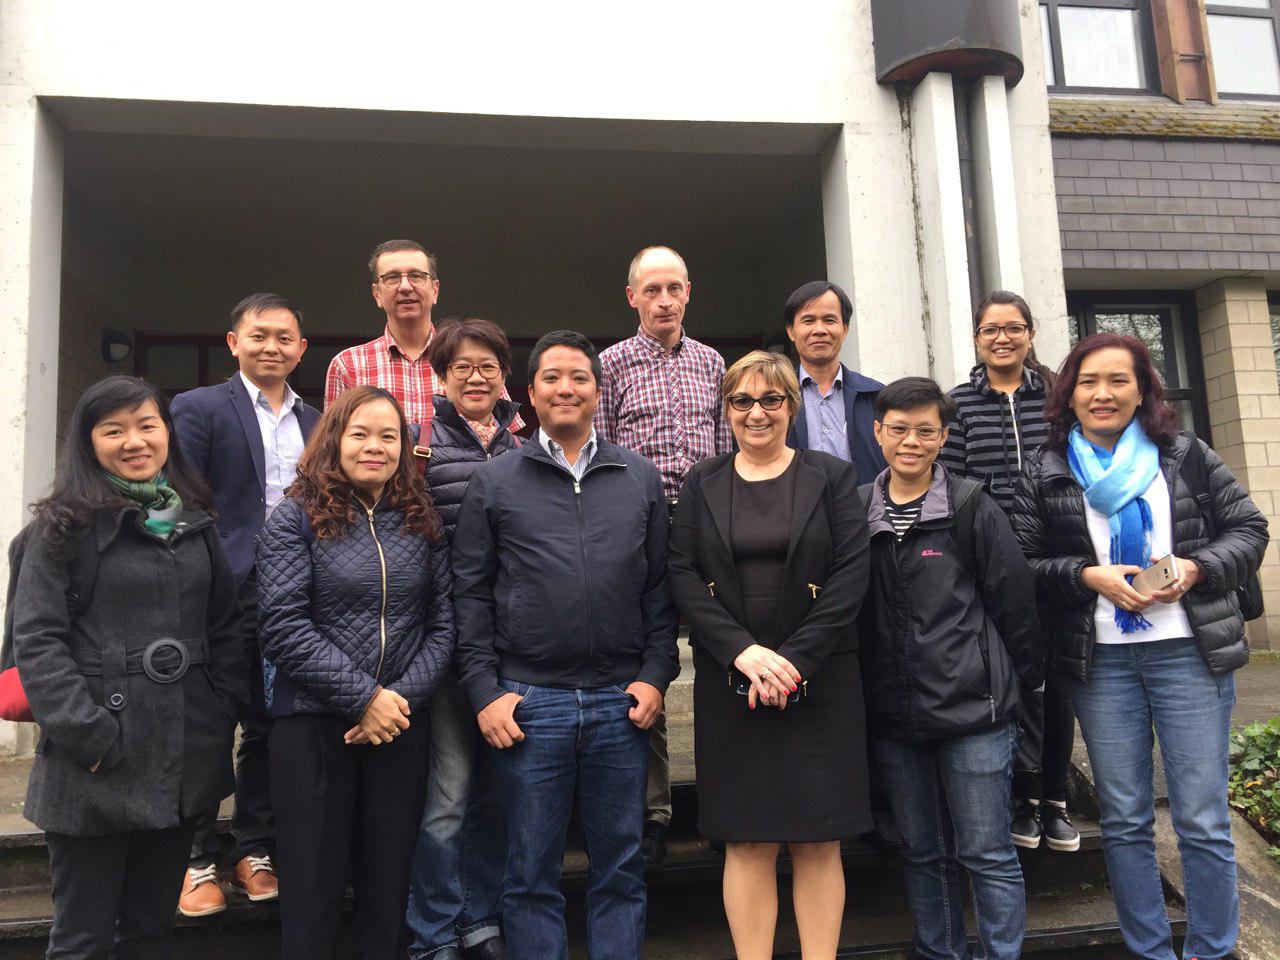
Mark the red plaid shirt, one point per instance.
(381, 363)
(665, 406)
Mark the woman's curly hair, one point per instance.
(325, 491)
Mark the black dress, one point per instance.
(764, 775)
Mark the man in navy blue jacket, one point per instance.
(245, 436)
(566, 645)
(837, 409)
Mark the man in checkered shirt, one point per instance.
(406, 285)
(660, 396)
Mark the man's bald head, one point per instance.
(651, 256)
(658, 290)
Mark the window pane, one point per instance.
(1259, 4)
(1147, 327)
(1100, 48)
(1244, 54)
(1049, 78)
(1274, 301)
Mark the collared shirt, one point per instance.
(578, 467)
(381, 363)
(282, 441)
(825, 415)
(664, 405)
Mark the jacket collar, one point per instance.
(1032, 382)
(249, 422)
(937, 501)
(108, 523)
(504, 411)
(717, 488)
(607, 454)
(1054, 467)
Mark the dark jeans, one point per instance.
(1043, 764)
(951, 803)
(115, 896)
(252, 827)
(456, 890)
(346, 813)
(577, 744)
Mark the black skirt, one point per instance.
(792, 776)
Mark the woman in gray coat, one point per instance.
(138, 684)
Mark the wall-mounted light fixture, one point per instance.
(116, 345)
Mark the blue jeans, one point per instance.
(950, 800)
(456, 885)
(577, 743)
(1165, 685)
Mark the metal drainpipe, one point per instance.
(960, 92)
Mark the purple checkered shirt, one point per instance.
(664, 406)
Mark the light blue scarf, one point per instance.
(1114, 481)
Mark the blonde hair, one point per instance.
(773, 368)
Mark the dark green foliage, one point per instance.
(1253, 784)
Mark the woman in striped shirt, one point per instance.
(1000, 421)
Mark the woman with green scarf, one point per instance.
(126, 638)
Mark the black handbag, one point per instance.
(1196, 473)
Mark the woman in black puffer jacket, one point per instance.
(461, 853)
(356, 624)
(1110, 485)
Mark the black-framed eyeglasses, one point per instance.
(463, 371)
(899, 431)
(743, 402)
(1014, 331)
(418, 278)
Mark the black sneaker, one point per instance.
(1026, 824)
(653, 844)
(1059, 833)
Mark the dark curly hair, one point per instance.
(1158, 418)
(326, 493)
(80, 487)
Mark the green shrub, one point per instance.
(1253, 784)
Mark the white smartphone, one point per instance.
(1158, 576)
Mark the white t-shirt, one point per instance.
(1168, 620)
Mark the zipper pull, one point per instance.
(814, 590)
(577, 487)
(712, 587)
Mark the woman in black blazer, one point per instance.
(768, 566)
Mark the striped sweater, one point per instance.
(993, 432)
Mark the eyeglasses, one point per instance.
(899, 431)
(1014, 331)
(463, 371)
(743, 402)
(389, 281)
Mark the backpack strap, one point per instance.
(1196, 473)
(964, 514)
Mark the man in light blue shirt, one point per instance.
(245, 436)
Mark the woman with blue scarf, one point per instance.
(1109, 494)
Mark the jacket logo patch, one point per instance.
(930, 553)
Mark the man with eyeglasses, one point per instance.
(837, 409)
(660, 396)
(406, 285)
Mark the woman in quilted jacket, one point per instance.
(462, 846)
(357, 630)
(1114, 489)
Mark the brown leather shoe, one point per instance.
(256, 877)
(201, 896)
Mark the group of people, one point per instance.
(439, 636)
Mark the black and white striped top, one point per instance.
(902, 515)
(994, 432)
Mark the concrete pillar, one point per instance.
(940, 228)
(994, 187)
(1244, 414)
(31, 235)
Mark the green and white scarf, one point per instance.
(161, 501)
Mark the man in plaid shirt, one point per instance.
(660, 396)
(406, 285)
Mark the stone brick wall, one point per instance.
(1136, 204)
(1244, 414)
